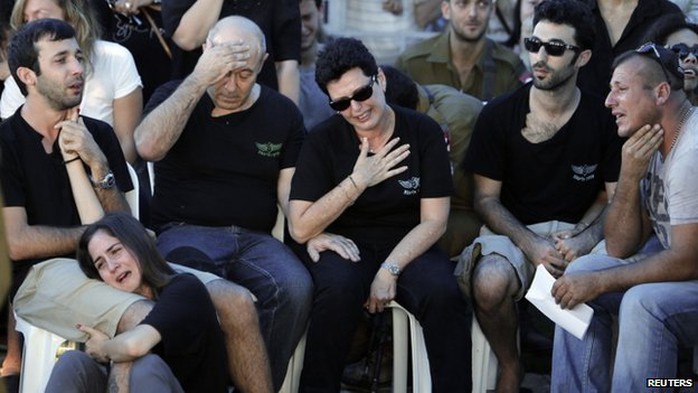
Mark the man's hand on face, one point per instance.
(219, 60)
(638, 150)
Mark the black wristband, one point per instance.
(71, 160)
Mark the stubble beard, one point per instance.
(57, 97)
(465, 38)
(554, 83)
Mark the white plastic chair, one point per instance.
(405, 326)
(151, 175)
(132, 197)
(484, 361)
(38, 356)
(405, 323)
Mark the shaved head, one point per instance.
(237, 28)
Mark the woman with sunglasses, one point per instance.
(178, 347)
(369, 199)
(681, 37)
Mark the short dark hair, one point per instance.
(667, 25)
(341, 55)
(133, 236)
(400, 89)
(574, 13)
(22, 51)
(663, 68)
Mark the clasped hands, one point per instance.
(569, 289)
(558, 251)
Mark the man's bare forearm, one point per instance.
(113, 200)
(196, 23)
(162, 127)
(624, 226)
(44, 242)
(500, 220)
(119, 376)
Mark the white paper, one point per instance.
(575, 320)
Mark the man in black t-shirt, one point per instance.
(187, 22)
(545, 160)
(47, 149)
(226, 150)
(45, 145)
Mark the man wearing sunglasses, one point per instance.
(225, 149)
(649, 279)
(545, 159)
(462, 56)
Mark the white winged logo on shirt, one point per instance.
(584, 172)
(410, 186)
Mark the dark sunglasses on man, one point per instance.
(552, 48)
(682, 50)
(360, 95)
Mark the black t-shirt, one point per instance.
(279, 20)
(596, 74)
(192, 342)
(557, 179)
(39, 182)
(391, 208)
(136, 34)
(224, 170)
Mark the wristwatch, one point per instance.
(393, 268)
(106, 183)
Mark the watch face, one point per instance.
(108, 181)
(392, 268)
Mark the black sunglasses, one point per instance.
(666, 58)
(360, 95)
(553, 48)
(682, 50)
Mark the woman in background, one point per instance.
(675, 33)
(112, 86)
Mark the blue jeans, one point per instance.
(654, 320)
(264, 266)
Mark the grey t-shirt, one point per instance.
(670, 190)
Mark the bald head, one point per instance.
(237, 28)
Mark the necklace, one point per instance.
(686, 114)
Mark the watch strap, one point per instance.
(393, 268)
